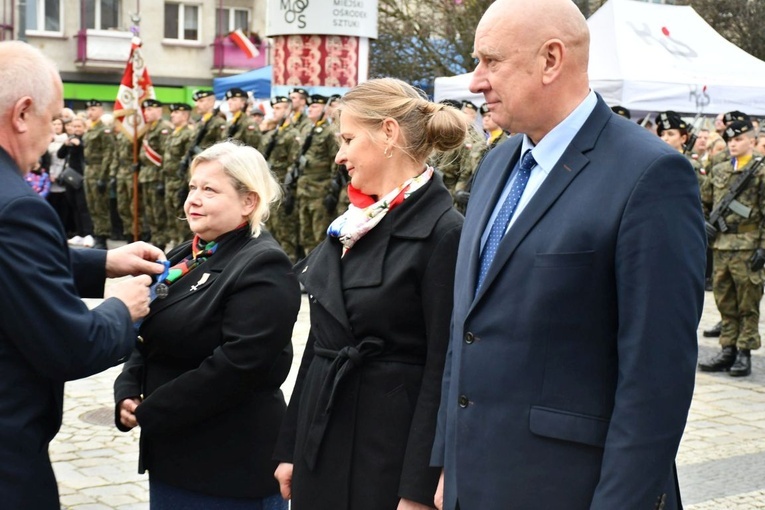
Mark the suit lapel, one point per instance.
(571, 163)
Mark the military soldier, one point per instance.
(674, 130)
(122, 170)
(316, 169)
(151, 179)
(216, 125)
(299, 99)
(281, 147)
(241, 127)
(98, 146)
(477, 152)
(470, 110)
(739, 252)
(178, 144)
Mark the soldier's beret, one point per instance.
(317, 99)
(452, 102)
(620, 110)
(235, 92)
(669, 120)
(484, 109)
(93, 102)
(734, 116)
(300, 90)
(150, 103)
(737, 127)
(200, 94)
(182, 107)
(280, 99)
(469, 105)
(334, 98)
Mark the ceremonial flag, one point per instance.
(244, 43)
(134, 88)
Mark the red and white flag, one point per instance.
(134, 88)
(244, 43)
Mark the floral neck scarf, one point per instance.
(364, 213)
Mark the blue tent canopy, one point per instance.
(257, 81)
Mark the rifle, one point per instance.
(290, 180)
(194, 149)
(272, 143)
(688, 147)
(339, 181)
(716, 222)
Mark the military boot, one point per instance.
(714, 331)
(743, 364)
(720, 362)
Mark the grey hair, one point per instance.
(22, 71)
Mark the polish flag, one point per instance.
(134, 88)
(244, 43)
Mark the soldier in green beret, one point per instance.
(151, 177)
(177, 146)
(739, 252)
(241, 127)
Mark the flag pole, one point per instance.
(135, 168)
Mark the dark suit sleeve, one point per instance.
(44, 316)
(257, 320)
(418, 479)
(89, 269)
(659, 265)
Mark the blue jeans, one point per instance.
(167, 497)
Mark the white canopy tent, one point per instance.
(652, 57)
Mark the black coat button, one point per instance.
(469, 338)
(463, 401)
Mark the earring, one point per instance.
(387, 154)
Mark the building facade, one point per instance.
(185, 42)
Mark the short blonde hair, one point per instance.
(249, 172)
(425, 126)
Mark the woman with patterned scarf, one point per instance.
(362, 417)
(203, 384)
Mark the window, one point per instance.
(102, 14)
(229, 19)
(44, 15)
(181, 21)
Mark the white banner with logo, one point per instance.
(322, 17)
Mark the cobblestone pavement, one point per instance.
(720, 463)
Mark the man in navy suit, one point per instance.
(47, 334)
(573, 346)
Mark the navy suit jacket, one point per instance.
(570, 373)
(47, 335)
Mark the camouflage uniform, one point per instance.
(97, 147)
(177, 145)
(284, 227)
(700, 172)
(216, 130)
(244, 128)
(151, 181)
(478, 147)
(737, 289)
(317, 167)
(121, 168)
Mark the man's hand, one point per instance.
(283, 475)
(438, 499)
(134, 259)
(134, 293)
(127, 412)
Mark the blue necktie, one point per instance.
(505, 213)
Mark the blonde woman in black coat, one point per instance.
(361, 420)
(203, 384)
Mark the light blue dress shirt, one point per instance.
(546, 153)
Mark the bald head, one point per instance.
(531, 52)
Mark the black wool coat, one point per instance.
(379, 332)
(210, 361)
